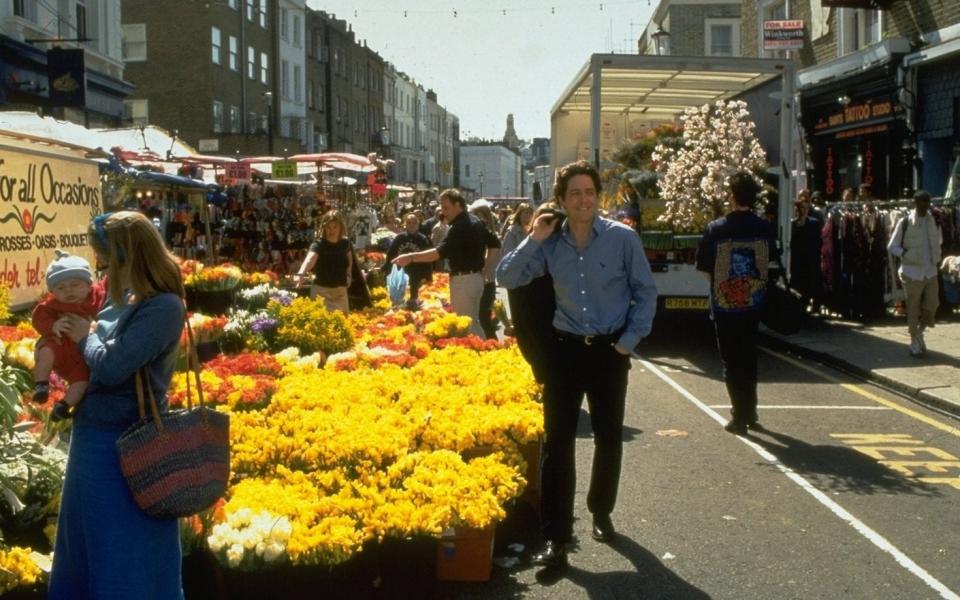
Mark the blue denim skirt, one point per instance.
(107, 547)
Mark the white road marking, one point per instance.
(874, 537)
(808, 407)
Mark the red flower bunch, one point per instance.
(245, 363)
(13, 333)
(472, 342)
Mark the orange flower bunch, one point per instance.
(259, 278)
(15, 333)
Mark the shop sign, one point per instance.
(855, 113)
(68, 77)
(284, 169)
(208, 145)
(783, 35)
(45, 204)
(237, 172)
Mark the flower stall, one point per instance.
(360, 441)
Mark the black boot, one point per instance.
(61, 412)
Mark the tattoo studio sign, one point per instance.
(46, 202)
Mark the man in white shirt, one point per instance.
(916, 240)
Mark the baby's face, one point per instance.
(71, 291)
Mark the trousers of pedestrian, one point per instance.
(106, 547)
(487, 298)
(334, 298)
(599, 372)
(923, 300)
(465, 294)
(737, 341)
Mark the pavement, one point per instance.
(878, 351)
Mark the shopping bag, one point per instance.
(177, 463)
(397, 285)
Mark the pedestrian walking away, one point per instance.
(605, 303)
(465, 248)
(735, 252)
(916, 241)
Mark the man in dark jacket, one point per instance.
(735, 252)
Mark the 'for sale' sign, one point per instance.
(783, 35)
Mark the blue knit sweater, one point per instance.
(127, 338)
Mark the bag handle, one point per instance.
(143, 380)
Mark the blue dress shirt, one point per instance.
(601, 289)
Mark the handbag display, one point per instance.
(177, 463)
(783, 311)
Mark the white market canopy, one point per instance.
(148, 140)
(611, 90)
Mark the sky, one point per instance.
(484, 64)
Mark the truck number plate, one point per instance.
(687, 303)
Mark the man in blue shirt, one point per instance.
(735, 253)
(606, 300)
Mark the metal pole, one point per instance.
(595, 108)
(787, 124)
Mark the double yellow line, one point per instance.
(866, 394)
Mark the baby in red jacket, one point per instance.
(72, 290)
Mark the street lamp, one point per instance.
(661, 40)
(268, 96)
(481, 184)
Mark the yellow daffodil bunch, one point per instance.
(450, 325)
(18, 568)
(249, 539)
(20, 352)
(307, 324)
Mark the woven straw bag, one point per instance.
(177, 463)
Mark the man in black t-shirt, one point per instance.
(465, 249)
(735, 252)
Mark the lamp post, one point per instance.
(481, 184)
(661, 40)
(268, 96)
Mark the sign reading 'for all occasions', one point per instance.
(46, 203)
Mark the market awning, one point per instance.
(662, 85)
(151, 178)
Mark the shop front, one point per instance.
(855, 128)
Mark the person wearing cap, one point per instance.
(71, 291)
(465, 248)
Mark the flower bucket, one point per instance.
(532, 452)
(209, 302)
(465, 554)
(207, 351)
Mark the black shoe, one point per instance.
(736, 427)
(756, 426)
(603, 530)
(554, 554)
(41, 391)
(61, 411)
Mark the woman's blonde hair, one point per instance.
(517, 217)
(332, 217)
(486, 215)
(135, 255)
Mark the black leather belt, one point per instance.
(588, 340)
(456, 273)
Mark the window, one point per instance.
(336, 60)
(297, 84)
(722, 37)
(859, 28)
(253, 122)
(217, 116)
(296, 30)
(234, 47)
(321, 97)
(467, 167)
(250, 10)
(310, 103)
(263, 13)
(235, 119)
(81, 14)
(215, 44)
(232, 4)
(285, 78)
(136, 111)
(134, 42)
(251, 63)
(264, 68)
(284, 30)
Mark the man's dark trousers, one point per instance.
(737, 340)
(600, 372)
